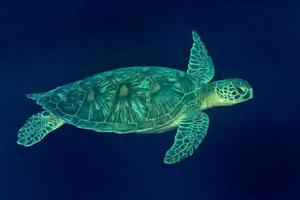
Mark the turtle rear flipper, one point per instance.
(37, 127)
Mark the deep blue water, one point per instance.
(251, 151)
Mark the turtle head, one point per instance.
(227, 92)
(233, 91)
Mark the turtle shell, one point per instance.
(129, 99)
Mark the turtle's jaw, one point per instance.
(242, 92)
(249, 95)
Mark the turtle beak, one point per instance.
(249, 94)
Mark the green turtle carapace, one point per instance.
(140, 100)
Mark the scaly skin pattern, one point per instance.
(225, 93)
(37, 127)
(134, 99)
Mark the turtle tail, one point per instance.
(35, 96)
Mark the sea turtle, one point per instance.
(140, 100)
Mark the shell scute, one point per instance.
(123, 128)
(176, 110)
(163, 120)
(188, 98)
(85, 124)
(105, 127)
(131, 102)
(98, 101)
(146, 125)
(71, 101)
(50, 105)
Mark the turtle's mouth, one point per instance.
(249, 94)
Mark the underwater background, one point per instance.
(251, 151)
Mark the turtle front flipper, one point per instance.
(200, 63)
(190, 134)
(37, 127)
